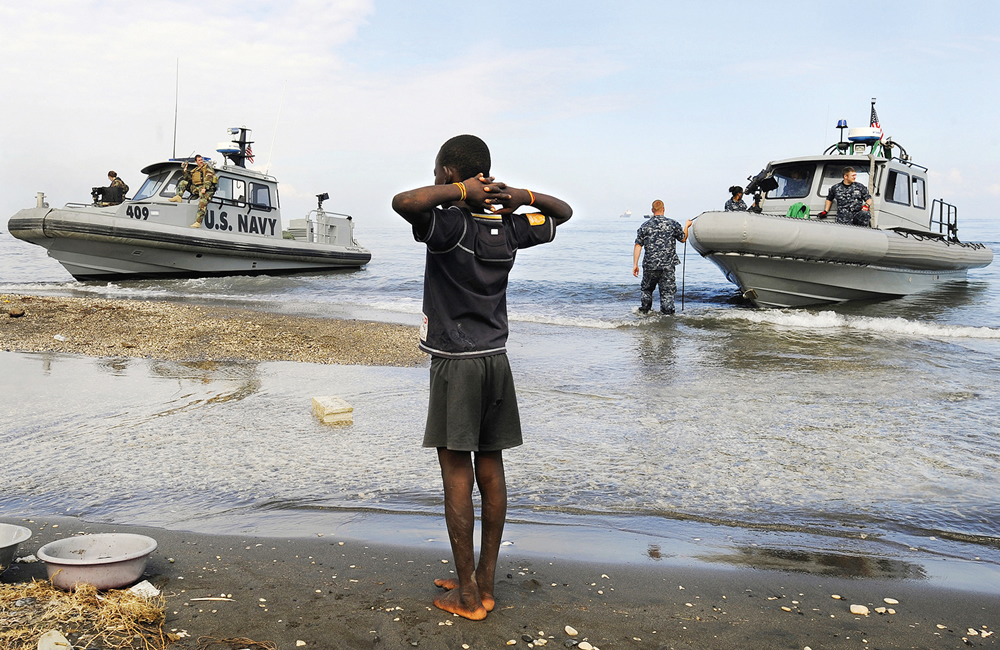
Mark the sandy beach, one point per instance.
(354, 592)
(178, 332)
(327, 592)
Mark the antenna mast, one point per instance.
(177, 85)
(274, 134)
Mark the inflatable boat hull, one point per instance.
(782, 262)
(97, 245)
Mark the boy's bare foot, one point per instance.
(451, 601)
(450, 583)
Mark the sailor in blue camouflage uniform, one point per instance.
(853, 201)
(736, 203)
(659, 236)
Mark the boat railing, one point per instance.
(319, 229)
(236, 203)
(90, 205)
(945, 216)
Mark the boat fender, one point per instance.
(798, 211)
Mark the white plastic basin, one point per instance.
(106, 560)
(10, 537)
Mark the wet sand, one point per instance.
(179, 332)
(330, 592)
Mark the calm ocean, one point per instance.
(860, 439)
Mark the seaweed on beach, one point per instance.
(237, 643)
(112, 619)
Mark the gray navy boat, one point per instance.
(780, 255)
(147, 236)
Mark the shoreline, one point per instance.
(103, 327)
(333, 591)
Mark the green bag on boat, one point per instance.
(798, 211)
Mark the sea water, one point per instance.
(859, 439)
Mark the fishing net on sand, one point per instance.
(112, 619)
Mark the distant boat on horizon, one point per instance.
(625, 215)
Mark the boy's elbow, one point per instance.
(563, 215)
(399, 204)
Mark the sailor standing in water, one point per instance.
(201, 182)
(659, 236)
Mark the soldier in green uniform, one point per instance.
(201, 182)
(118, 183)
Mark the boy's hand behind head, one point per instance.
(482, 192)
(512, 199)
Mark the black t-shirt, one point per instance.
(465, 278)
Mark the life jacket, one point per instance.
(204, 176)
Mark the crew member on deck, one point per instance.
(119, 187)
(853, 201)
(736, 203)
(201, 182)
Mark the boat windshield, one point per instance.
(170, 188)
(833, 173)
(149, 188)
(794, 180)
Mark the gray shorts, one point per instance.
(472, 405)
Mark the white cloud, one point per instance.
(368, 92)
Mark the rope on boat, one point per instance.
(683, 270)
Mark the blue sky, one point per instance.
(608, 105)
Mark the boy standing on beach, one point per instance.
(472, 413)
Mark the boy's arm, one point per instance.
(415, 206)
(558, 210)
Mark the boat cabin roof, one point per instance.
(231, 170)
(846, 161)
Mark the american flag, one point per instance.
(875, 124)
(250, 151)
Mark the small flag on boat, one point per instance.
(250, 151)
(874, 120)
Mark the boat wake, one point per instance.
(832, 321)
